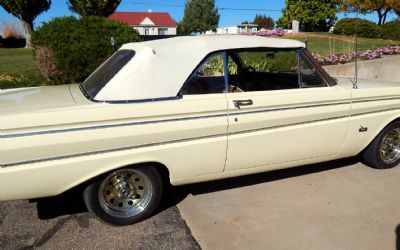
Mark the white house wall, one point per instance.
(154, 30)
(233, 30)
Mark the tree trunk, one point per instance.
(385, 15)
(380, 15)
(28, 27)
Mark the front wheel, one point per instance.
(125, 196)
(384, 150)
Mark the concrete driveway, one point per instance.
(336, 205)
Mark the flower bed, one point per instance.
(266, 33)
(365, 55)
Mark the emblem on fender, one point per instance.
(363, 129)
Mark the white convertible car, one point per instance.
(192, 109)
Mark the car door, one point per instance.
(205, 91)
(276, 118)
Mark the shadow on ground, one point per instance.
(398, 237)
(71, 202)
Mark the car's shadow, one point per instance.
(71, 202)
(398, 237)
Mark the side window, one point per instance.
(208, 78)
(309, 76)
(269, 61)
(264, 70)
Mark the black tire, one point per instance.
(372, 155)
(139, 190)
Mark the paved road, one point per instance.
(63, 223)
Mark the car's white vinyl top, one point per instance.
(160, 67)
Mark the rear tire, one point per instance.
(384, 150)
(125, 196)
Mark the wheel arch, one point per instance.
(372, 154)
(161, 168)
(389, 121)
(91, 177)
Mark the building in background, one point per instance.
(147, 23)
(234, 30)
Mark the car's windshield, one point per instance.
(96, 81)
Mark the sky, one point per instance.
(228, 17)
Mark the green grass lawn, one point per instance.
(334, 44)
(18, 69)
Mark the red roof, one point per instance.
(135, 18)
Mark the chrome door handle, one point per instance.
(239, 103)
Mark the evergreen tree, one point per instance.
(264, 22)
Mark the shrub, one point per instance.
(68, 49)
(391, 30)
(45, 62)
(348, 26)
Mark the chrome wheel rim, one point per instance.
(390, 147)
(125, 193)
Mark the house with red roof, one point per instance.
(147, 23)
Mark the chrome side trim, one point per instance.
(61, 157)
(374, 112)
(108, 126)
(23, 134)
(287, 125)
(12, 164)
(396, 97)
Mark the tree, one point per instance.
(93, 7)
(200, 16)
(316, 15)
(382, 7)
(26, 11)
(179, 29)
(264, 22)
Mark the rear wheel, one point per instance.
(125, 196)
(384, 150)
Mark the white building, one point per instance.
(234, 30)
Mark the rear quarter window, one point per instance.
(102, 75)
